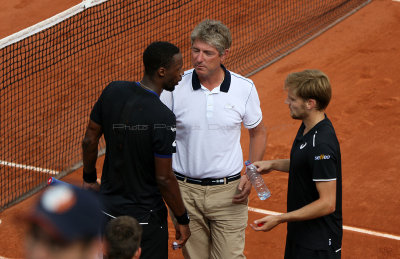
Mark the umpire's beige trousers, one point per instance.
(217, 225)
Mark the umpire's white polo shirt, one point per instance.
(208, 124)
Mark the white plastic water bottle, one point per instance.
(257, 181)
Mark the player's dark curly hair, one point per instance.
(158, 54)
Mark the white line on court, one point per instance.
(28, 167)
(360, 230)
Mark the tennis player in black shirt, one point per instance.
(314, 201)
(139, 131)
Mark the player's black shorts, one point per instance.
(294, 251)
(154, 242)
(155, 236)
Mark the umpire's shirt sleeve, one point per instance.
(253, 114)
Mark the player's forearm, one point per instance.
(89, 154)
(169, 189)
(258, 142)
(90, 144)
(316, 209)
(282, 165)
(168, 185)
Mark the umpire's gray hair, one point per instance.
(213, 32)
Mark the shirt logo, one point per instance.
(322, 157)
(303, 145)
(174, 143)
(173, 129)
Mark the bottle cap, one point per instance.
(175, 245)
(247, 162)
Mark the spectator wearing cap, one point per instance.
(122, 238)
(65, 223)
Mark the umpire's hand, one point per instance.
(244, 188)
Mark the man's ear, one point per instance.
(137, 253)
(161, 71)
(311, 103)
(224, 55)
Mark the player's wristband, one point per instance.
(90, 177)
(184, 219)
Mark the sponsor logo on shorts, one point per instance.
(322, 157)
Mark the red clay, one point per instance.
(361, 56)
(17, 15)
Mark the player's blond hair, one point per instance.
(213, 32)
(311, 84)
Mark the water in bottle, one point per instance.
(257, 181)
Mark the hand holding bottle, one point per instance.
(257, 181)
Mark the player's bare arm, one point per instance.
(169, 189)
(267, 166)
(258, 138)
(89, 152)
(325, 205)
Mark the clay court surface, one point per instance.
(361, 55)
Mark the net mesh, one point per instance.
(50, 80)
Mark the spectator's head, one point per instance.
(65, 223)
(214, 33)
(310, 85)
(122, 238)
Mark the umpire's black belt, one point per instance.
(207, 181)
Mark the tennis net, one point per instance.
(52, 73)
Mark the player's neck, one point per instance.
(313, 119)
(148, 84)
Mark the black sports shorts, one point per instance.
(294, 251)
